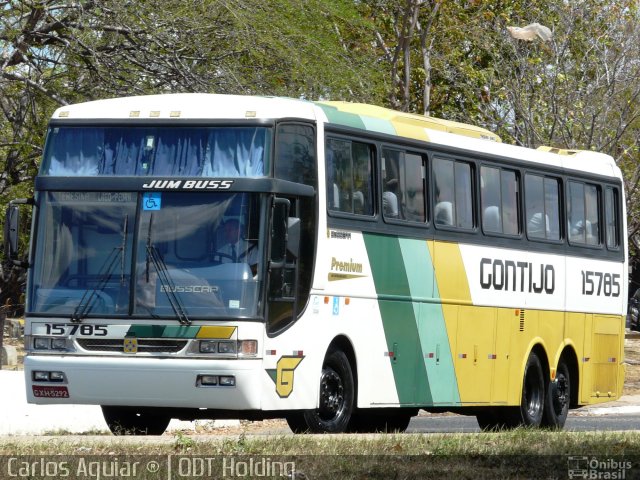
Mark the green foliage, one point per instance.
(453, 59)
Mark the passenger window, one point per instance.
(349, 177)
(403, 185)
(499, 193)
(612, 204)
(453, 194)
(583, 214)
(542, 204)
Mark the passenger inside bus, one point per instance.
(390, 199)
(443, 211)
(491, 219)
(536, 227)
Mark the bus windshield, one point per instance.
(157, 151)
(154, 254)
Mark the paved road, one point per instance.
(17, 417)
(577, 422)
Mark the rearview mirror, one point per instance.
(279, 232)
(12, 230)
(11, 233)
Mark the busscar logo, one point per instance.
(188, 184)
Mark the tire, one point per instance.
(297, 423)
(380, 422)
(134, 421)
(558, 398)
(533, 393)
(337, 397)
(498, 418)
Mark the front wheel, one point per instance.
(134, 421)
(337, 398)
(556, 407)
(384, 421)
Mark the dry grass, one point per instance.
(517, 454)
(632, 361)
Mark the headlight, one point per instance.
(40, 376)
(227, 347)
(59, 344)
(56, 376)
(227, 381)
(208, 346)
(42, 343)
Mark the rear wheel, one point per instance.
(556, 407)
(134, 421)
(498, 418)
(337, 399)
(533, 399)
(532, 402)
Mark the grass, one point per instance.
(521, 453)
(516, 442)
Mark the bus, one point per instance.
(339, 265)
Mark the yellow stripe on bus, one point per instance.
(215, 332)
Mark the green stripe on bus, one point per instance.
(432, 329)
(418, 266)
(413, 320)
(409, 372)
(399, 319)
(387, 265)
(378, 125)
(342, 118)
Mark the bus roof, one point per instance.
(189, 106)
(203, 106)
(371, 117)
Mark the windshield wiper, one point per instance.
(165, 279)
(104, 275)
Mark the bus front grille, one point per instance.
(144, 345)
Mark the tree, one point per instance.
(54, 53)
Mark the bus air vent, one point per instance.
(522, 319)
(144, 345)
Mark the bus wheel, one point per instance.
(134, 421)
(297, 423)
(556, 406)
(533, 398)
(497, 418)
(366, 421)
(337, 396)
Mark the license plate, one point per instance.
(50, 392)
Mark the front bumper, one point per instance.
(149, 382)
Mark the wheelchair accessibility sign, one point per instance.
(151, 201)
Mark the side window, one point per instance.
(611, 206)
(499, 193)
(349, 177)
(453, 195)
(583, 213)
(295, 154)
(403, 185)
(542, 204)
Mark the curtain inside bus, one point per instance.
(158, 151)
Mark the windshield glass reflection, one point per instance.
(196, 255)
